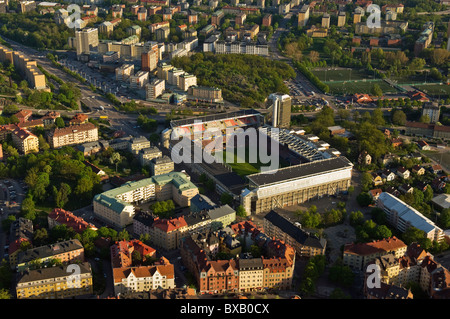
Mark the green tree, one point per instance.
(115, 159)
(376, 90)
(59, 122)
(240, 211)
(61, 195)
(398, 117)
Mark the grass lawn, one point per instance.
(241, 166)
(436, 90)
(340, 74)
(358, 87)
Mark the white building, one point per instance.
(139, 80)
(402, 216)
(155, 88)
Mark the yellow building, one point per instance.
(25, 141)
(56, 282)
(251, 274)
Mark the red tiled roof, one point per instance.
(387, 244)
(168, 225)
(62, 216)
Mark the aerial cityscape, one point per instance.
(204, 150)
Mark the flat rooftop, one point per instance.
(301, 171)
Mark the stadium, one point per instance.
(307, 167)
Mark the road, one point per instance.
(300, 83)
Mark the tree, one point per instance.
(364, 199)
(444, 218)
(314, 56)
(43, 145)
(61, 195)
(226, 198)
(377, 117)
(28, 208)
(376, 90)
(240, 211)
(341, 275)
(115, 159)
(425, 119)
(4, 294)
(356, 218)
(59, 122)
(399, 117)
(381, 231)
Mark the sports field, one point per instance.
(347, 81)
(340, 74)
(353, 87)
(241, 166)
(435, 90)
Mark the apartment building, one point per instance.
(251, 274)
(305, 244)
(163, 70)
(66, 251)
(116, 205)
(273, 270)
(341, 18)
(73, 135)
(280, 105)
(25, 141)
(267, 20)
(167, 233)
(55, 283)
(149, 153)
(21, 231)
(161, 165)
(326, 20)
(303, 15)
(149, 61)
(162, 34)
(402, 216)
(59, 216)
(358, 255)
(122, 252)
(139, 80)
(216, 17)
(155, 89)
(26, 67)
(86, 40)
(205, 94)
(137, 144)
(144, 278)
(124, 72)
